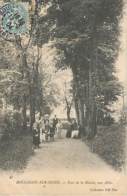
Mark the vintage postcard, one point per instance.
(63, 97)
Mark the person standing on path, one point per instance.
(69, 130)
(47, 127)
(36, 135)
(42, 129)
(55, 122)
(52, 131)
(59, 127)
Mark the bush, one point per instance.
(109, 144)
(65, 125)
(108, 120)
(15, 148)
(12, 123)
(15, 152)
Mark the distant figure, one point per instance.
(74, 125)
(75, 134)
(69, 130)
(36, 135)
(75, 131)
(42, 130)
(55, 121)
(59, 127)
(51, 131)
(47, 127)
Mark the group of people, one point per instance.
(44, 129)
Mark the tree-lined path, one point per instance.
(80, 40)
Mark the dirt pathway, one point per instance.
(59, 167)
(65, 154)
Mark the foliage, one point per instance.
(15, 152)
(110, 145)
(13, 123)
(25, 87)
(88, 34)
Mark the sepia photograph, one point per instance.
(63, 97)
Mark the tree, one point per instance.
(68, 96)
(88, 32)
(29, 75)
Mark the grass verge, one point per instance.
(109, 144)
(15, 152)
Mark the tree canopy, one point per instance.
(86, 35)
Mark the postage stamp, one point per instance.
(13, 19)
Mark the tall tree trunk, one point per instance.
(76, 109)
(24, 116)
(82, 117)
(92, 113)
(32, 109)
(34, 90)
(68, 113)
(24, 76)
(79, 102)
